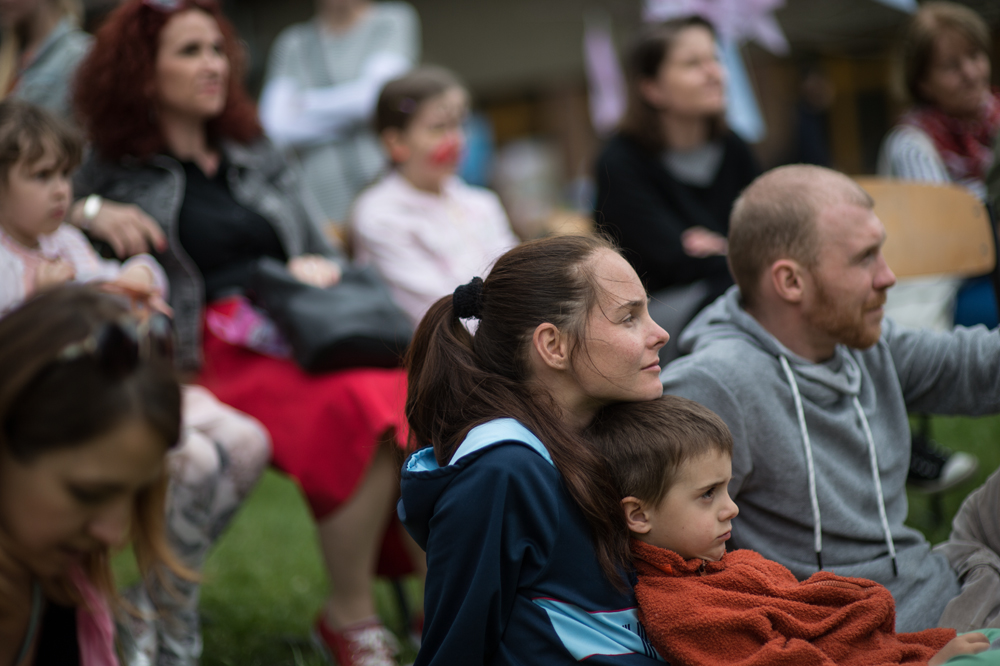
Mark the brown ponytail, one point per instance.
(458, 381)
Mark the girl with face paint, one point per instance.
(421, 226)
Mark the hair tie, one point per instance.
(467, 301)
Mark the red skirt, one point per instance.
(324, 428)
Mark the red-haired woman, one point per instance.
(175, 133)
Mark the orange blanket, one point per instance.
(748, 611)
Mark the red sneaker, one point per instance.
(366, 643)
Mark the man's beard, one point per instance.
(846, 326)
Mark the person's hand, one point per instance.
(315, 270)
(52, 272)
(138, 285)
(972, 643)
(125, 227)
(700, 242)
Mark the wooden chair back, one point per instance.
(932, 229)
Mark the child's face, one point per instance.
(431, 146)
(35, 199)
(694, 519)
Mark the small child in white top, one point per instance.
(37, 248)
(421, 226)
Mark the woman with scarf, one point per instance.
(946, 137)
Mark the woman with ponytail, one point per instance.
(503, 494)
(41, 45)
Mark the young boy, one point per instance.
(670, 462)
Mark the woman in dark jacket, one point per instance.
(667, 181)
(175, 133)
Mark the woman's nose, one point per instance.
(214, 61)
(972, 66)
(660, 336)
(110, 527)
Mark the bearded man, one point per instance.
(816, 388)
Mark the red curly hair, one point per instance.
(114, 84)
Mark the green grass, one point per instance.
(979, 436)
(264, 582)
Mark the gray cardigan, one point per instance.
(259, 179)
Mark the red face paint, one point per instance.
(447, 152)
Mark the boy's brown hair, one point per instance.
(645, 443)
(27, 131)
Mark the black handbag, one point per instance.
(354, 323)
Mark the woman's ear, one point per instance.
(636, 516)
(652, 93)
(552, 346)
(392, 139)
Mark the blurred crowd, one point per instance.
(147, 380)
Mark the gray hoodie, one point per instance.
(807, 437)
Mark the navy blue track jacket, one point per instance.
(512, 575)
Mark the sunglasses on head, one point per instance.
(166, 6)
(120, 345)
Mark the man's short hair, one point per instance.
(645, 443)
(775, 218)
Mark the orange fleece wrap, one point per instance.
(748, 611)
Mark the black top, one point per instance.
(223, 238)
(645, 209)
(57, 643)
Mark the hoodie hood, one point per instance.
(424, 481)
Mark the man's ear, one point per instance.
(787, 279)
(636, 516)
(552, 346)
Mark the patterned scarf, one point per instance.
(965, 146)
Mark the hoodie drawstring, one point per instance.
(878, 483)
(807, 445)
(872, 457)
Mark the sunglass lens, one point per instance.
(161, 336)
(118, 350)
